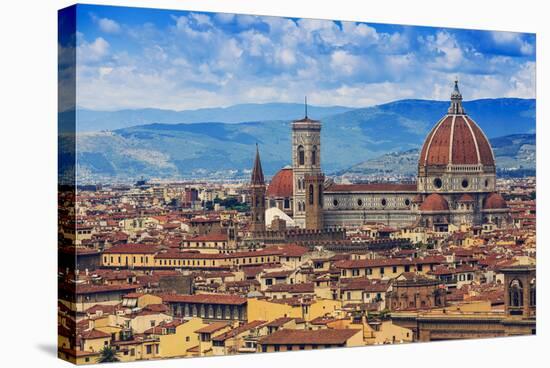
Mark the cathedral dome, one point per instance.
(281, 184)
(456, 140)
(434, 203)
(494, 201)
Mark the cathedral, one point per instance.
(456, 183)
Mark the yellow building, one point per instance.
(264, 310)
(176, 337)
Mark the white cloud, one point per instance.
(513, 40)
(450, 54)
(194, 62)
(108, 25)
(92, 52)
(344, 63)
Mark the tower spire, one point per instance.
(257, 172)
(456, 107)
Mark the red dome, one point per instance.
(456, 139)
(494, 201)
(466, 198)
(281, 184)
(434, 203)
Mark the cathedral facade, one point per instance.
(456, 182)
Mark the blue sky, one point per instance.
(135, 58)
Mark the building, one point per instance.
(288, 340)
(456, 182)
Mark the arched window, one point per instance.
(320, 194)
(516, 294)
(301, 156)
(310, 194)
(533, 293)
(314, 155)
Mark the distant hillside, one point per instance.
(515, 154)
(226, 149)
(91, 120)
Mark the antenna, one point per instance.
(305, 100)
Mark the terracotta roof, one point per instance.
(434, 203)
(291, 288)
(494, 201)
(91, 289)
(457, 140)
(237, 331)
(94, 334)
(281, 184)
(307, 337)
(213, 327)
(466, 198)
(132, 249)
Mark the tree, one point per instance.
(107, 355)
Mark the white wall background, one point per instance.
(28, 121)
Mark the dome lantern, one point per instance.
(456, 107)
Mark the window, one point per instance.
(149, 349)
(407, 268)
(438, 183)
(381, 270)
(394, 269)
(533, 293)
(277, 348)
(384, 202)
(320, 195)
(407, 202)
(301, 156)
(359, 202)
(314, 156)
(335, 203)
(465, 183)
(310, 194)
(516, 293)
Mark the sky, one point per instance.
(141, 58)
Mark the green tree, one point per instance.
(107, 355)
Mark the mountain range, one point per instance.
(515, 155)
(197, 147)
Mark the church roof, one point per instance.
(257, 172)
(494, 201)
(456, 139)
(434, 203)
(281, 185)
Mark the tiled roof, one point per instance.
(308, 337)
(132, 249)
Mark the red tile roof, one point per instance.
(132, 249)
(281, 185)
(308, 337)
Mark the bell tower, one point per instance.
(257, 196)
(306, 162)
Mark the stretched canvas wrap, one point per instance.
(237, 184)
